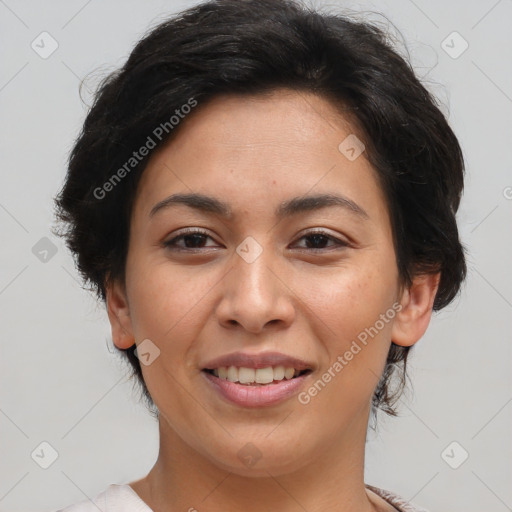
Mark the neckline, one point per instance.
(128, 490)
(133, 493)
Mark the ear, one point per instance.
(119, 314)
(417, 302)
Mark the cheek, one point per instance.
(353, 312)
(354, 315)
(166, 307)
(348, 300)
(162, 299)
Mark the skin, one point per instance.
(255, 153)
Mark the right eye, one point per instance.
(193, 239)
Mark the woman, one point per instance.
(264, 197)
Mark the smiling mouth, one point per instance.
(256, 376)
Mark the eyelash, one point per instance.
(171, 244)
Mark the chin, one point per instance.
(262, 467)
(258, 457)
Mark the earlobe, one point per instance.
(119, 315)
(417, 302)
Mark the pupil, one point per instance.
(316, 238)
(197, 239)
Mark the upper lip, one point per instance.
(258, 360)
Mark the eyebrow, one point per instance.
(208, 204)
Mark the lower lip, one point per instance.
(255, 396)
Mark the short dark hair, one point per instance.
(253, 47)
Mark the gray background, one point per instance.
(61, 382)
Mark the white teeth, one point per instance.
(233, 374)
(288, 373)
(279, 373)
(264, 375)
(251, 375)
(246, 375)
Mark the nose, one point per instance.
(255, 295)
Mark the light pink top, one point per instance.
(122, 498)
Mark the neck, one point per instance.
(333, 481)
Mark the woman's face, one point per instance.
(282, 281)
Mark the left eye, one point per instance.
(320, 239)
(196, 239)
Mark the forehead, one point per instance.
(244, 147)
(284, 120)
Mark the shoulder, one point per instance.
(115, 498)
(399, 503)
(100, 502)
